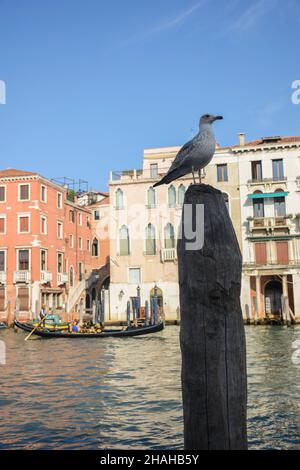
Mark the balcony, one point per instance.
(22, 276)
(270, 225)
(168, 254)
(266, 183)
(62, 278)
(2, 277)
(46, 276)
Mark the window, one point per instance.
(282, 249)
(43, 193)
(96, 215)
(150, 240)
(119, 199)
(256, 170)
(59, 230)
(258, 207)
(153, 170)
(95, 247)
(135, 275)
(260, 253)
(2, 260)
(24, 192)
(2, 224)
(80, 243)
(181, 194)
(172, 196)
(59, 262)
(277, 169)
(23, 296)
(222, 173)
(43, 260)
(2, 299)
(59, 200)
(23, 224)
(80, 218)
(124, 241)
(2, 193)
(72, 217)
(88, 245)
(23, 260)
(151, 197)
(279, 206)
(80, 269)
(169, 236)
(71, 241)
(71, 276)
(44, 225)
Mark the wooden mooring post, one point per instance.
(212, 338)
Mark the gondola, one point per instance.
(130, 331)
(3, 326)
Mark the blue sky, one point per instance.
(92, 83)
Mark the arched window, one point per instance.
(95, 247)
(258, 206)
(150, 240)
(71, 276)
(119, 199)
(169, 236)
(172, 196)
(181, 193)
(226, 199)
(151, 197)
(124, 241)
(279, 205)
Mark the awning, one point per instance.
(265, 195)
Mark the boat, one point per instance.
(51, 326)
(128, 332)
(2, 325)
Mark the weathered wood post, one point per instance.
(212, 332)
(94, 312)
(146, 313)
(128, 313)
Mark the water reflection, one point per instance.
(125, 393)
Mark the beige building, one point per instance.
(144, 223)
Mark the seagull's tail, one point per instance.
(171, 176)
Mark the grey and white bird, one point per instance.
(195, 154)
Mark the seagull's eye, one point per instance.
(206, 116)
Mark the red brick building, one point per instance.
(45, 246)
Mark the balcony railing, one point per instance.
(142, 174)
(62, 278)
(22, 276)
(273, 179)
(269, 223)
(271, 264)
(168, 254)
(2, 277)
(46, 276)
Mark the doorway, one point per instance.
(273, 293)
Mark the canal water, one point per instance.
(125, 393)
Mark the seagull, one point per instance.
(195, 154)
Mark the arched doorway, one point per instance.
(273, 293)
(159, 296)
(87, 301)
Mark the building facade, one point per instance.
(45, 246)
(260, 181)
(269, 172)
(144, 224)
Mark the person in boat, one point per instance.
(76, 327)
(43, 314)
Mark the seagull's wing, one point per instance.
(186, 150)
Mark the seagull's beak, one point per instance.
(218, 117)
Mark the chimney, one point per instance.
(242, 139)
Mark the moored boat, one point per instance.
(130, 331)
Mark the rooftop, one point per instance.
(11, 172)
